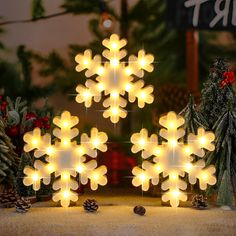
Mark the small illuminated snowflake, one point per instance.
(66, 158)
(173, 159)
(114, 78)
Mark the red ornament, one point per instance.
(229, 78)
(13, 131)
(4, 106)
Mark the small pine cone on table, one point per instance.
(22, 205)
(8, 198)
(90, 205)
(199, 202)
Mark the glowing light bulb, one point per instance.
(142, 62)
(174, 176)
(50, 150)
(95, 176)
(86, 94)
(100, 70)
(187, 150)
(100, 86)
(158, 168)
(65, 124)
(114, 62)
(114, 45)
(205, 176)
(50, 167)
(80, 169)
(66, 194)
(80, 151)
(96, 142)
(158, 151)
(35, 142)
(202, 140)
(86, 62)
(128, 71)
(189, 166)
(114, 94)
(65, 176)
(142, 142)
(128, 87)
(171, 125)
(175, 193)
(142, 177)
(107, 23)
(173, 143)
(114, 111)
(35, 177)
(65, 142)
(143, 95)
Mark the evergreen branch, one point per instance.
(34, 19)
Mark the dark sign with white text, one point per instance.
(202, 14)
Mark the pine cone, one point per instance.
(199, 202)
(22, 205)
(8, 198)
(90, 205)
(139, 210)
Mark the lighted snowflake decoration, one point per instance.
(66, 158)
(114, 78)
(173, 158)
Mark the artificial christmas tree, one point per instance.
(224, 157)
(8, 159)
(24, 191)
(193, 118)
(217, 91)
(218, 106)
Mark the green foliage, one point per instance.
(214, 98)
(37, 9)
(193, 118)
(226, 194)
(224, 157)
(17, 80)
(8, 158)
(22, 190)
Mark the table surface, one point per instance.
(115, 217)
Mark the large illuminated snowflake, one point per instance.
(66, 158)
(114, 78)
(173, 158)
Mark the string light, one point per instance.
(35, 177)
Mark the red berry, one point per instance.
(47, 126)
(45, 119)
